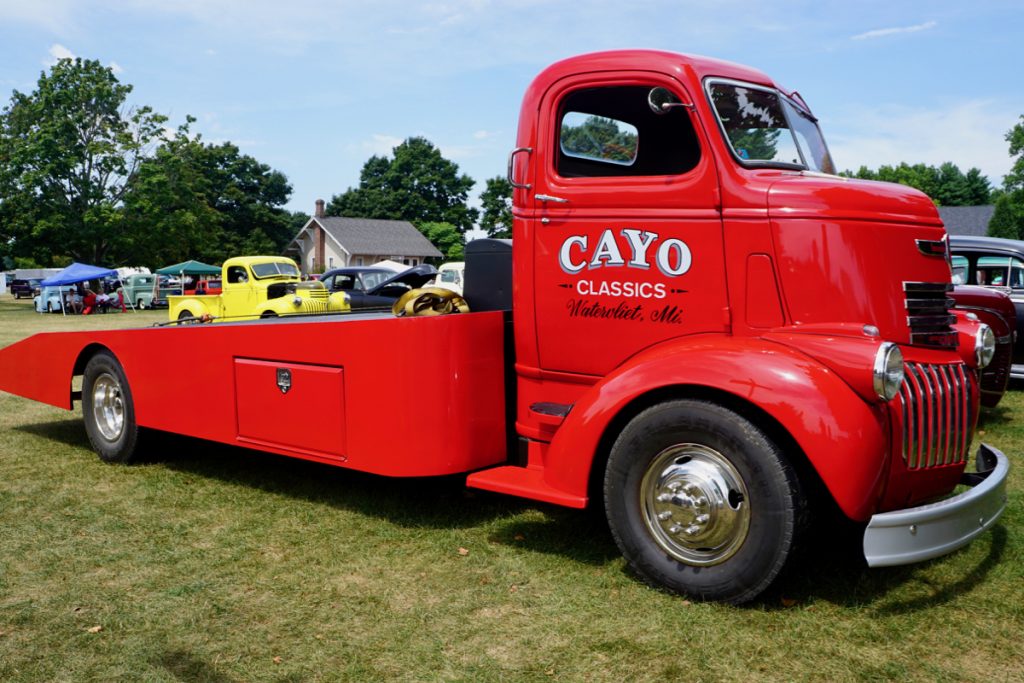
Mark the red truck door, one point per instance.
(628, 246)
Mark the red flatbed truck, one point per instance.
(705, 325)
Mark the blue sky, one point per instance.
(315, 88)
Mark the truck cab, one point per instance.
(699, 297)
(257, 287)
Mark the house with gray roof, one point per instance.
(967, 220)
(326, 242)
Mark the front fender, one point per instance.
(843, 436)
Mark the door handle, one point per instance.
(511, 167)
(549, 198)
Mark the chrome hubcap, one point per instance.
(695, 504)
(108, 406)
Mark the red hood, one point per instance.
(846, 247)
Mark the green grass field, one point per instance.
(221, 564)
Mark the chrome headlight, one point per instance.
(888, 371)
(984, 345)
(297, 300)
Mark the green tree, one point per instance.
(447, 238)
(204, 201)
(497, 205)
(947, 185)
(1008, 219)
(417, 184)
(1014, 180)
(69, 151)
(597, 137)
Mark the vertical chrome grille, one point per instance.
(928, 316)
(936, 408)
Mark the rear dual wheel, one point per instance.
(701, 502)
(108, 410)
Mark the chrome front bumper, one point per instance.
(921, 533)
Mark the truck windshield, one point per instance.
(766, 128)
(277, 268)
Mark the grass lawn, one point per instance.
(221, 564)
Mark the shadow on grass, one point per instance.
(833, 568)
(425, 502)
(829, 567)
(69, 432)
(993, 417)
(184, 666)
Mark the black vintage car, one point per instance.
(369, 287)
(24, 288)
(998, 264)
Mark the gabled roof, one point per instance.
(377, 237)
(967, 220)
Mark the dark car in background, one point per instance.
(996, 264)
(24, 288)
(995, 309)
(369, 287)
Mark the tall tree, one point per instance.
(69, 152)
(497, 204)
(446, 237)
(417, 184)
(1008, 219)
(197, 200)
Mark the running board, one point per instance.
(524, 482)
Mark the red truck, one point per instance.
(696, 326)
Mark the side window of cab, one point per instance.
(237, 274)
(630, 130)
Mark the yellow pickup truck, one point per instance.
(257, 287)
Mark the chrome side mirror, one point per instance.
(662, 100)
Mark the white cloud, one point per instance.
(54, 15)
(483, 134)
(880, 32)
(116, 68)
(970, 134)
(58, 52)
(381, 144)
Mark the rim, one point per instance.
(108, 406)
(695, 504)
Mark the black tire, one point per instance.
(268, 314)
(141, 305)
(108, 410)
(187, 318)
(701, 502)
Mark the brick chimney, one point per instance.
(319, 257)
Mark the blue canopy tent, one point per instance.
(75, 273)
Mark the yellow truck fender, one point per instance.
(190, 306)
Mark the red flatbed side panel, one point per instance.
(422, 396)
(40, 367)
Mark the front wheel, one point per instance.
(701, 502)
(141, 305)
(108, 410)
